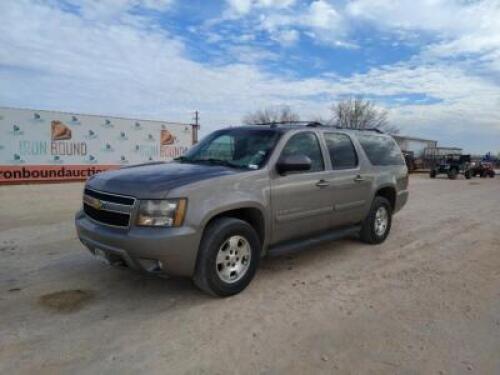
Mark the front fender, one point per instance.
(219, 211)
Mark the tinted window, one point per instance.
(381, 150)
(341, 150)
(305, 144)
(221, 148)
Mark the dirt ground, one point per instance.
(427, 301)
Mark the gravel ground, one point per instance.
(427, 301)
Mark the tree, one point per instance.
(358, 113)
(271, 115)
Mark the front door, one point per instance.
(301, 201)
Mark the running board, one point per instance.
(294, 246)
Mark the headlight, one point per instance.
(165, 213)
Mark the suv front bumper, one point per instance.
(174, 249)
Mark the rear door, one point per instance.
(350, 188)
(301, 201)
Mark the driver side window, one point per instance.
(305, 144)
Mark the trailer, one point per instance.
(47, 146)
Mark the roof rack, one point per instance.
(315, 124)
(376, 130)
(276, 123)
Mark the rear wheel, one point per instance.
(468, 175)
(228, 257)
(492, 174)
(433, 173)
(377, 224)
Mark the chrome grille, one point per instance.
(107, 208)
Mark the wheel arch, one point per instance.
(388, 192)
(252, 214)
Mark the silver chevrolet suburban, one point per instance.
(240, 194)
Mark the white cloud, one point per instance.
(325, 25)
(287, 36)
(249, 55)
(461, 26)
(284, 21)
(322, 15)
(242, 7)
(435, 15)
(111, 10)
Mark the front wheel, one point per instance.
(452, 174)
(432, 174)
(377, 224)
(467, 175)
(228, 257)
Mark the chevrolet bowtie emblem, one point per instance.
(93, 202)
(98, 204)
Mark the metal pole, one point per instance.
(196, 127)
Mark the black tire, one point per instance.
(452, 174)
(432, 174)
(368, 233)
(492, 174)
(482, 174)
(467, 175)
(216, 233)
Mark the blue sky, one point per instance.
(435, 64)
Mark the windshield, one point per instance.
(238, 148)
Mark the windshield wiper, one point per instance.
(181, 158)
(214, 161)
(225, 163)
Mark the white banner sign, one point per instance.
(32, 142)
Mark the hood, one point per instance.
(154, 180)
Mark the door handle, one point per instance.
(358, 178)
(322, 183)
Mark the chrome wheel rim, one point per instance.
(233, 259)
(381, 221)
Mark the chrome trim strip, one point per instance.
(112, 194)
(105, 205)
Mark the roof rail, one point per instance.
(271, 123)
(315, 124)
(376, 130)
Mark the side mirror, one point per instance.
(293, 163)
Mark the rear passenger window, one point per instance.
(305, 144)
(341, 150)
(381, 150)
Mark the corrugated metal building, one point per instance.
(414, 145)
(424, 152)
